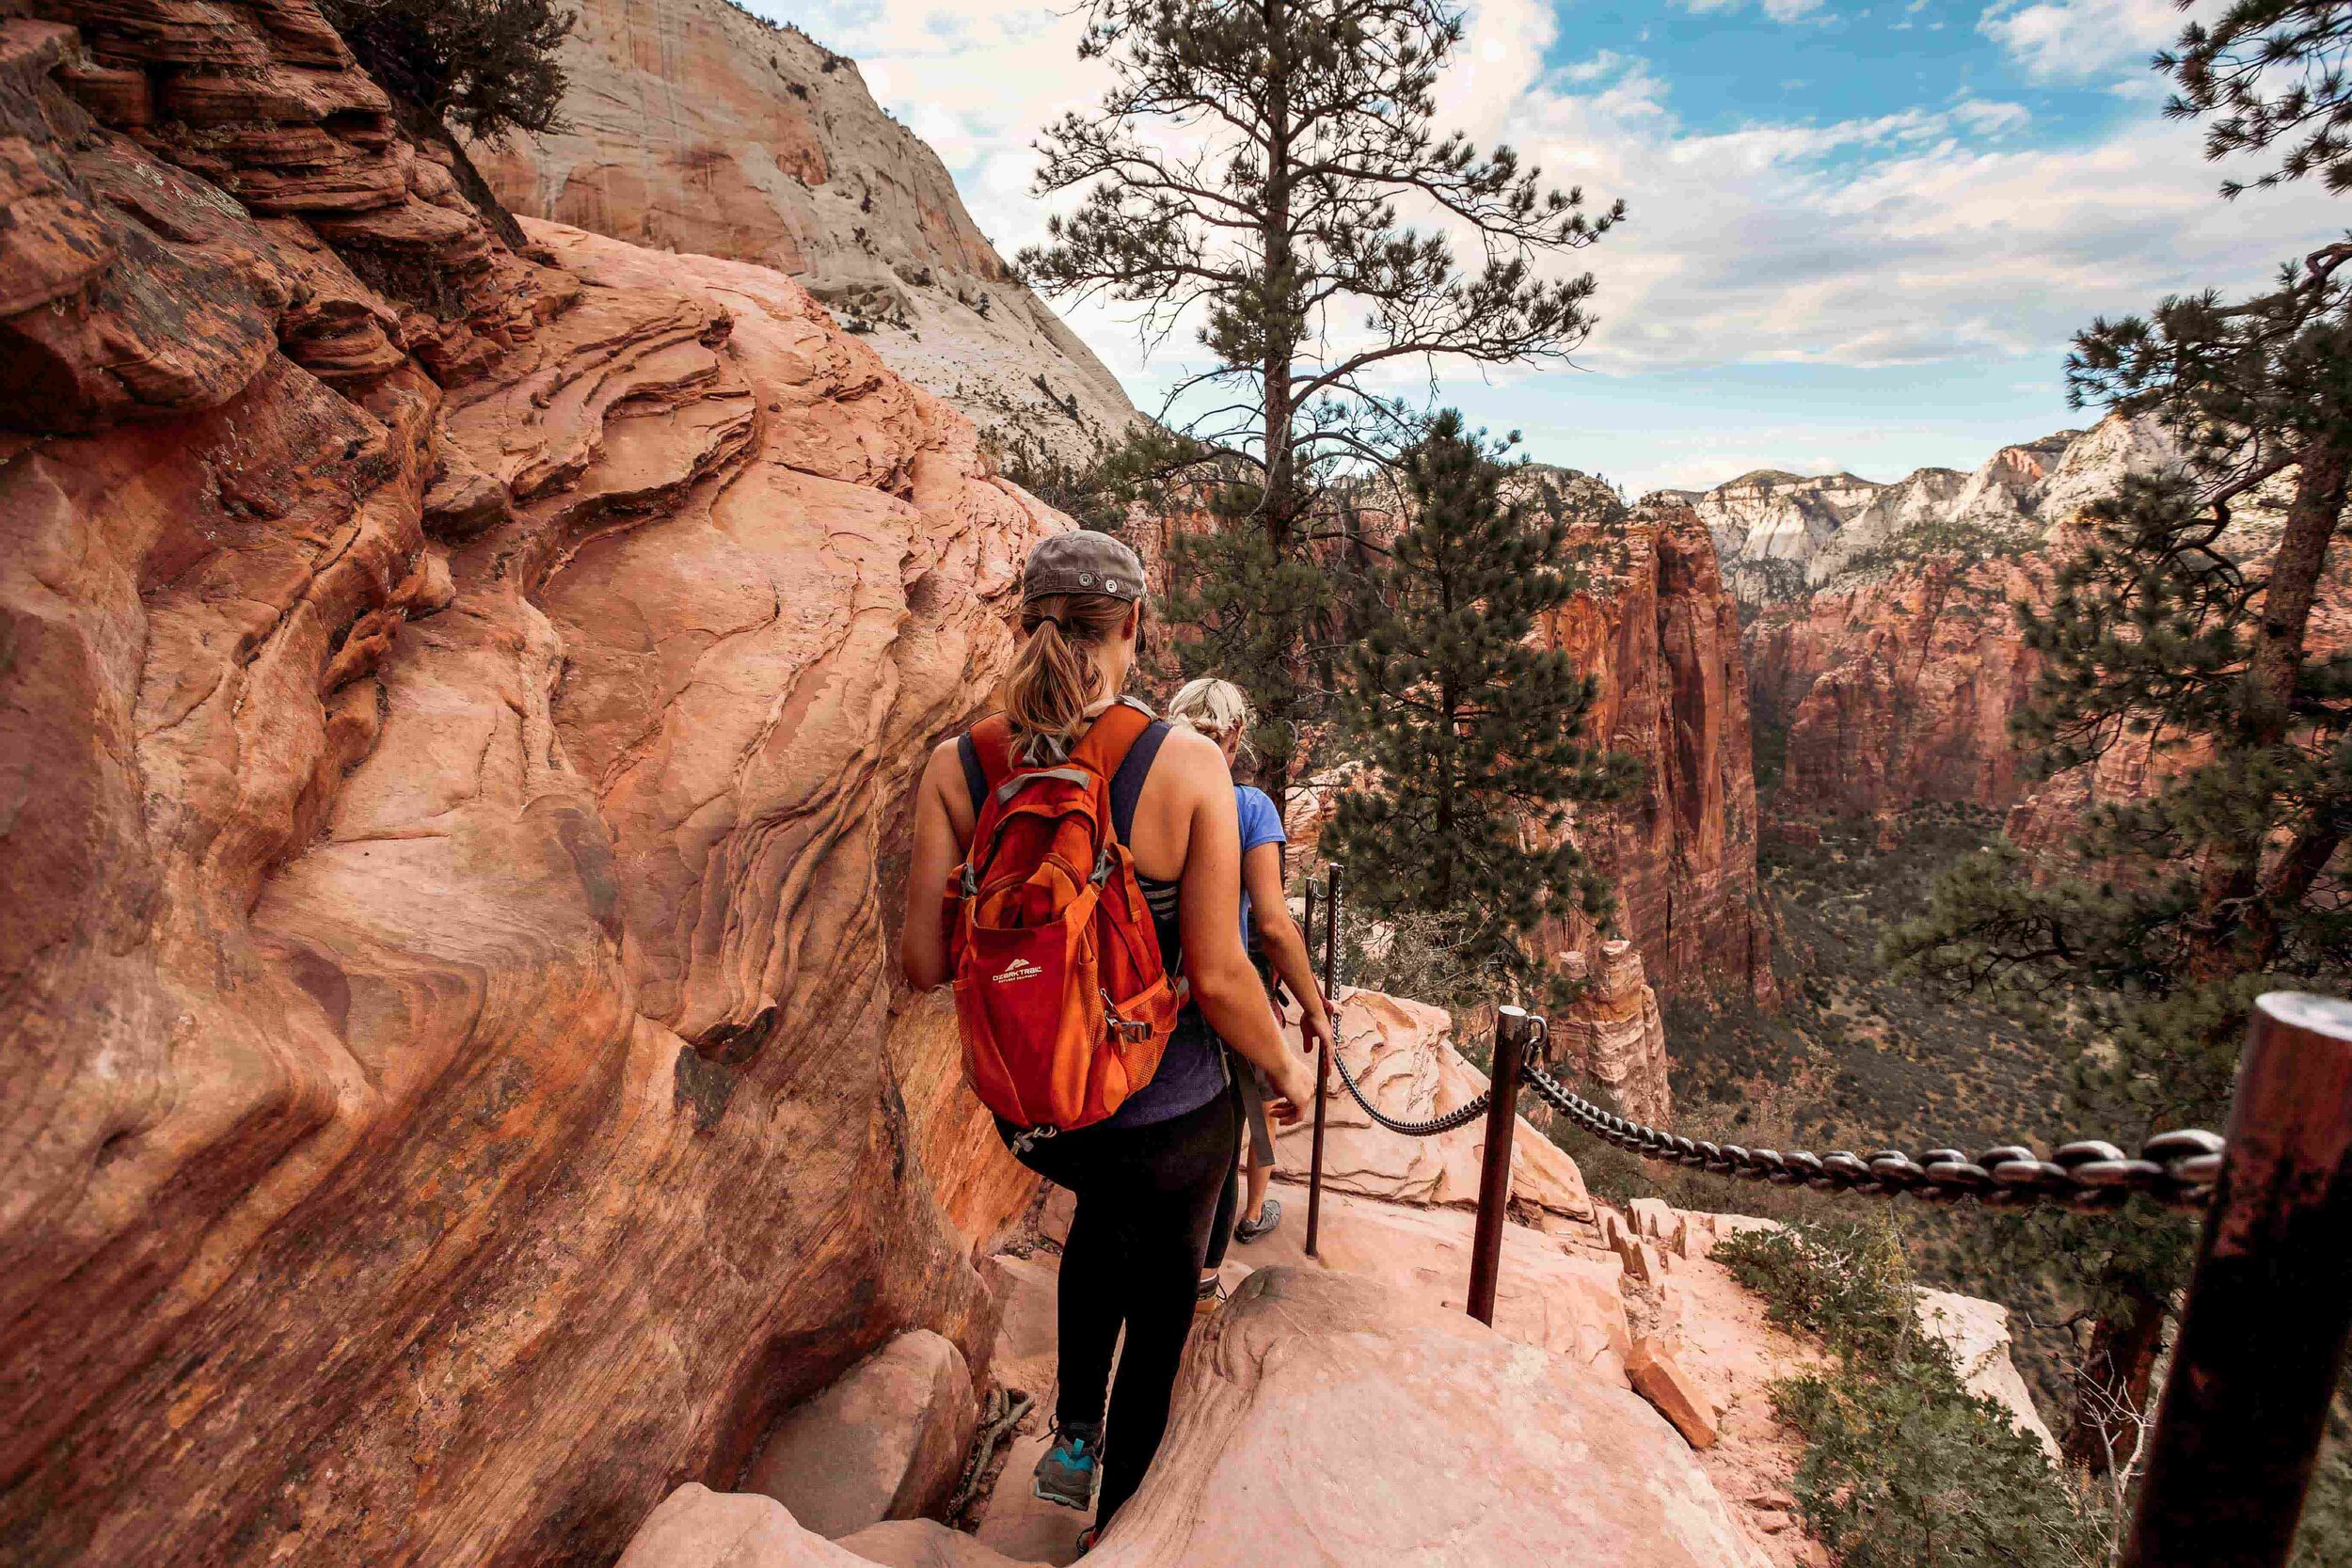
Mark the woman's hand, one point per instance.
(1315, 1031)
(1293, 1090)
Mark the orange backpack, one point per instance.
(1061, 995)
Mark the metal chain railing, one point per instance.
(2177, 1169)
(2268, 1311)
(1461, 1115)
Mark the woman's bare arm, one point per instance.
(1224, 985)
(1262, 875)
(923, 939)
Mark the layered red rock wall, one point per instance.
(1898, 689)
(456, 715)
(1661, 634)
(694, 125)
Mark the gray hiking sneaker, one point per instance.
(1067, 1473)
(1269, 1215)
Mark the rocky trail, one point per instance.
(1346, 1407)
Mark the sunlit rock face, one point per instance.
(1889, 675)
(694, 126)
(459, 720)
(1780, 533)
(1658, 632)
(1898, 689)
(1614, 1036)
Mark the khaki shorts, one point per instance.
(1253, 1096)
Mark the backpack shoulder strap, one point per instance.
(986, 753)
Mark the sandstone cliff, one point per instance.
(1888, 676)
(457, 715)
(697, 127)
(1780, 534)
(1658, 632)
(1898, 688)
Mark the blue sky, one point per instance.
(1859, 238)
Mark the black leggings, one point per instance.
(1147, 1196)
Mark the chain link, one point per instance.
(1461, 1115)
(2176, 1169)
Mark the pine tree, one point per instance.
(488, 68)
(1474, 733)
(1245, 171)
(2174, 911)
(2265, 72)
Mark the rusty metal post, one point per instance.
(1307, 936)
(1323, 1058)
(1515, 1030)
(2268, 1307)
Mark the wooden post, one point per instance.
(1323, 1058)
(2264, 1331)
(1515, 1029)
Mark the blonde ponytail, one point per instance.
(1055, 679)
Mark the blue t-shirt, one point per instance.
(1259, 824)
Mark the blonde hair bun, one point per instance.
(1213, 708)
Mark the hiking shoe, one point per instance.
(1067, 1473)
(1211, 1296)
(1269, 1215)
(1088, 1539)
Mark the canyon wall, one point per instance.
(1884, 673)
(1658, 630)
(1897, 688)
(457, 720)
(693, 126)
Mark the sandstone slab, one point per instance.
(1656, 1376)
(1977, 1332)
(466, 709)
(924, 1544)
(1551, 1294)
(1334, 1415)
(886, 1441)
(697, 1528)
(1405, 1061)
(695, 126)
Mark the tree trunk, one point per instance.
(2111, 1385)
(1278, 504)
(2230, 936)
(424, 125)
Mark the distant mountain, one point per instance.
(697, 127)
(1779, 533)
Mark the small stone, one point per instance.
(1675, 1392)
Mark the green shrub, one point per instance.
(1903, 1466)
(486, 67)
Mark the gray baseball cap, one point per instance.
(1082, 561)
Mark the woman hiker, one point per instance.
(1148, 1177)
(1220, 710)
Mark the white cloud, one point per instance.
(1779, 10)
(1989, 119)
(2077, 41)
(1909, 238)
(1933, 237)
